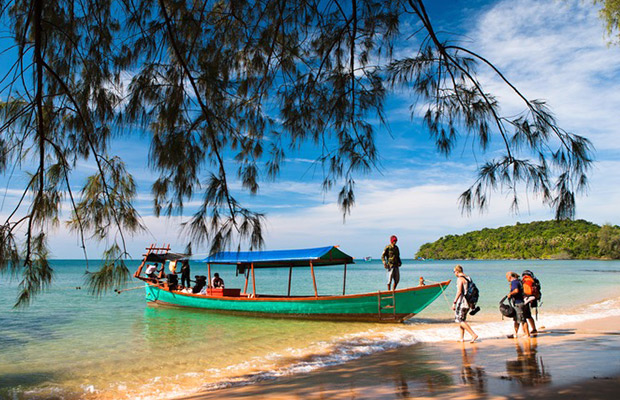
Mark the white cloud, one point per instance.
(416, 214)
(554, 51)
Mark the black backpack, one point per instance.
(472, 293)
(506, 309)
(173, 281)
(201, 282)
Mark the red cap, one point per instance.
(393, 239)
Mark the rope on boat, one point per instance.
(443, 292)
(124, 290)
(68, 287)
(119, 291)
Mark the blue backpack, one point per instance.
(472, 293)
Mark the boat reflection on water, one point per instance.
(220, 334)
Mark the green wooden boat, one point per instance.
(389, 306)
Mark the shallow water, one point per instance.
(69, 344)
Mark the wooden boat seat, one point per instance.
(223, 292)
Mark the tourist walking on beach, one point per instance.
(522, 310)
(391, 262)
(460, 305)
(531, 295)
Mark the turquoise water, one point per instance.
(69, 344)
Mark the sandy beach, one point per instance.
(569, 362)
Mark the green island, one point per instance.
(564, 239)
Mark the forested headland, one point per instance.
(535, 240)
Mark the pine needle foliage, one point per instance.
(37, 273)
(610, 14)
(113, 272)
(225, 91)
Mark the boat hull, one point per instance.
(376, 307)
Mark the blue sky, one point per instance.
(554, 51)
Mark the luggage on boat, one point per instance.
(173, 281)
(201, 282)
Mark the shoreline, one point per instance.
(580, 360)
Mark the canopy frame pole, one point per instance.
(245, 287)
(316, 293)
(253, 281)
(139, 270)
(344, 280)
(209, 273)
(290, 274)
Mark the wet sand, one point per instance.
(571, 362)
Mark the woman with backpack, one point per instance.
(460, 305)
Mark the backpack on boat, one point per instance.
(472, 293)
(531, 285)
(173, 281)
(201, 282)
(507, 310)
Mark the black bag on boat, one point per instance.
(173, 281)
(201, 282)
(506, 309)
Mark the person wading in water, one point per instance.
(460, 305)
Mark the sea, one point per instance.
(71, 345)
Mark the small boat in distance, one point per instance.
(390, 306)
(368, 258)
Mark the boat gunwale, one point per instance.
(304, 298)
(331, 317)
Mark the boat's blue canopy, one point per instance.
(319, 256)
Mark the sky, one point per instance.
(551, 50)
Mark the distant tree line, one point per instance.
(539, 240)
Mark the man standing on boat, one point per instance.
(391, 262)
(185, 273)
